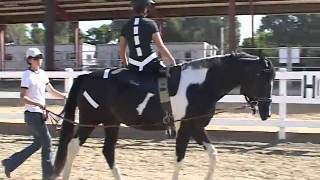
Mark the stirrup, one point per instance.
(171, 133)
(168, 121)
(168, 118)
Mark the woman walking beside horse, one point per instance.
(33, 84)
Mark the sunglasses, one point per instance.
(38, 57)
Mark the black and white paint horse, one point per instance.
(201, 83)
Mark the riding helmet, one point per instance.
(141, 4)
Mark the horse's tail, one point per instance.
(66, 133)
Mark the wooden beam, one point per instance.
(50, 20)
(16, 11)
(232, 26)
(2, 46)
(77, 50)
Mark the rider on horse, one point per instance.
(137, 34)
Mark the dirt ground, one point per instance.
(153, 160)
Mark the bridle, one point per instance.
(255, 100)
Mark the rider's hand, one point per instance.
(123, 64)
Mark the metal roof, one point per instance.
(27, 11)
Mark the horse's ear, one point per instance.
(261, 55)
(264, 61)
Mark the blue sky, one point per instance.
(245, 21)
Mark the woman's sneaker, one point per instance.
(6, 169)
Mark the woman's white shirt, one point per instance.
(36, 83)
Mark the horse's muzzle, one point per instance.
(264, 108)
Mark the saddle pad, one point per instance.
(145, 81)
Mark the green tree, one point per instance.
(200, 29)
(64, 33)
(189, 29)
(17, 34)
(100, 35)
(37, 34)
(116, 27)
(292, 30)
(261, 39)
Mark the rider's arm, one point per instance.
(165, 53)
(123, 47)
(55, 92)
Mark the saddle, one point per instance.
(147, 82)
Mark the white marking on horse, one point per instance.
(177, 169)
(143, 105)
(117, 71)
(90, 100)
(73, 149)
(106, 73)
(179, 102)
(116, 173)
(213, 158)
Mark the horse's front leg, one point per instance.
(201, 137)
(74, 147)
(111, 137)
(213, 158)
(182, 141)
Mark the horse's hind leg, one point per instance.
(201, 137)
(73, 148)
(111, 137)
(182, 141)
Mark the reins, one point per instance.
(55, 121)
(56, 118)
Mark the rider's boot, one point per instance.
(168, 119)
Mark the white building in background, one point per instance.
(64, 56)
(102, 55)
(108, 54)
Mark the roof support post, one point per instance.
(50, 20)
(252, 23)
(2, 46)
(77, 50)
(232, 26)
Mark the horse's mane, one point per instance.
(218, 60)
(201, 62)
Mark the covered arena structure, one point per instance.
(50, 11)
(144, 155)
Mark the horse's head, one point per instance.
(257, 85)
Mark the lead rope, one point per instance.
(54, 119)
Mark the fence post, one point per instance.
(69, 80)
(282, 106)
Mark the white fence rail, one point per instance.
(310, 89)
